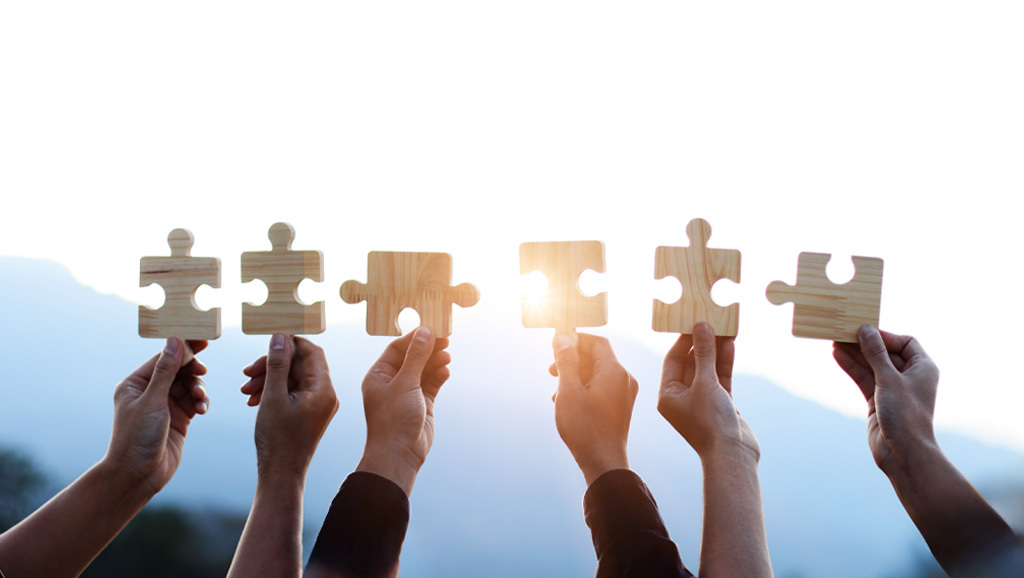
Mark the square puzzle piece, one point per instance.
(422, 281)
(824, 310)
(282, 269)
(180, 275)
(698, 269)
(564, 307)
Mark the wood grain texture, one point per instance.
(698, 268)
(824, 310)
(563, 307)
(282, 269)
(180, 275)
(421, 281)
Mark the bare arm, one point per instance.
(152, 411)
(899, 382)
(292, 386)
(696, 398)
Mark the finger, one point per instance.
(258, 367)
(726, 356)
(434, 380)
(675, 361)
(553, 369)
(279, 361)
(165, 370)
(394, 353)
(255, 399)
(859, 372)
(254, 385)
(876, 353)
(704, 353)
(441, 343)
(314, 371)
(438, 359)
(567, 362)
(420, 349)
(197, 345)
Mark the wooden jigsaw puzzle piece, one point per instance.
(180, 275)
(421, 281)
(698, 269)
(281, 269)
(564, 307)
(824, 310)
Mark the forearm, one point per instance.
(734, 542)
(63, 536)
(271, 543)
(959, 526)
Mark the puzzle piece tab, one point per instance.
(824, 310)
(179, 275)
(698, 269)
(564, 307)
(282, 269)
(422, 281)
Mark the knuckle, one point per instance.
(275, 363)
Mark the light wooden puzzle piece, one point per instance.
(824, 310)
(698, 269)
(564, 307)
(282, 269)
(422, 281)
(179, 275)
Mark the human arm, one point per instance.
(292, 385)
(152, 410)
(593, 409)
(696, 398)
(899, 381)
(364, 529)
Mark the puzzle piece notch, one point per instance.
(180, 275)
(825, 310)
(698, 269)
(282, 269)
(563, 307)
(421, 281)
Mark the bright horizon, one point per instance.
(882, 130)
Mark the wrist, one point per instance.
(132, 485)
(400, 467)
(729, 454)
(910, 461)
(595, 466)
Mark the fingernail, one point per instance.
(203, 406)
(277, 341)
(172, 346)
(866, 331)
(422, 334)
(702, 329)
(562, 342)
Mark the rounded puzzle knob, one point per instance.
(180, 241)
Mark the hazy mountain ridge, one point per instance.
(500, 494)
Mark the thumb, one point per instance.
(416, 357)
(704, 357)
(875, 351)
(567, 360)
(165, 370)
(279, 362)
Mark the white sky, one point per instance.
(888, 129)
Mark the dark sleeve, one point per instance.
(364, 529)
(629, 536)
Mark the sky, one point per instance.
(884, 129)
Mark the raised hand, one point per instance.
(593, 404)
(899, 382)
(696, 394)
(153, 408)
(398, 398)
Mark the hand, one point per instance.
(899, 382)
(696, 395)
(152, 410)
(593, 404)
(398, 398)
(298, 401)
